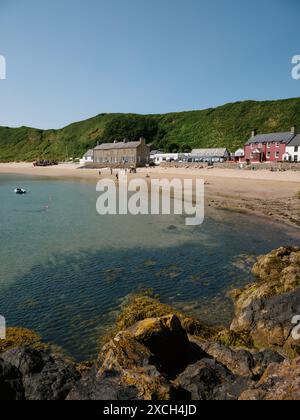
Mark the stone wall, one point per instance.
(111, 166)
(184, 165)
(283, 166)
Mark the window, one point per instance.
(252, 146)
(277, 155)
(268, 145)
(296, 149)
(296, 158)
(277, 144)
(268, 155)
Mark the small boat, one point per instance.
(20, 191)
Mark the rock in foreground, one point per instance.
(279, 383)
(160, 354)
(265, 309)
(131, 367)
(30, 374)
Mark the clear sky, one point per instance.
(68, 60)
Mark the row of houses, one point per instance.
(197, 155)
(274, 147)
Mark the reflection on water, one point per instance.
(65, 271)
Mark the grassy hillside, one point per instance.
(229, 126)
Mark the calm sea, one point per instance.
(65, 270)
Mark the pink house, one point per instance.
(268, 147)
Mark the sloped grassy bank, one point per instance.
(158, 353)
(225, 126)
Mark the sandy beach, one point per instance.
(272, 194)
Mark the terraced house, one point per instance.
(269, 147)
(125, 153)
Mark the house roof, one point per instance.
(119, 145)
(210, 152)
(273, 137)
(89, 153)
(295, 141)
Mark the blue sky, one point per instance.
(72, 59)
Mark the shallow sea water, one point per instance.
(65, 270)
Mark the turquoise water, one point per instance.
(65, 270)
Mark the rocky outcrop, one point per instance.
(11, 387)
(167, 340)
(18, 337)
(145, 306)
(242, 363)
(266, 308)
(160, 354)
(139, 363)
(280, 382)
(202, 379)
(30, 374)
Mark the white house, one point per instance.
(88, 157)
(239, 155)
(292, 153)
(159, 158)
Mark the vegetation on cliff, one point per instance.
(226, 126)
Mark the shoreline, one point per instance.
(264, 193)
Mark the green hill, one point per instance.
(226, 126)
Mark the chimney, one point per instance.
(294, 130)
(125, 140)
(116, 141)
(254, 133)
(142, 140)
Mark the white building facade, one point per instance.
(159, 158)
(88, 157)
(292, 153)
